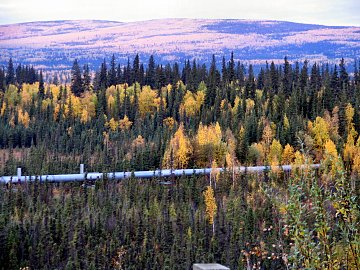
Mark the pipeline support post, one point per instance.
(19, 174)
(81, 168)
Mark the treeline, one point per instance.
(19, 75)
(132, 117)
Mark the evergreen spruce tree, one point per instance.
(2, 79)
(150, 73)
(112, 72)
(119, 74)
(41, 85)
(76, 80)
(231, 68)
(211, 84)
(274, 78)
(176, 73)
(287, 78)
(224, 72)
(141, 75)
(19, 74)
(344, 77)
(136, 69)
(86, 78)
(10, 73)
(103, 78)
(128, 76)
(250, 86)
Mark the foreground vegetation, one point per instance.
(274, 221)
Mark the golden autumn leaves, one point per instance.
(209, 143)
(205, 147)
(123, 124)
(269, 150)
(324, 137)
(179, 151)
(210, 204)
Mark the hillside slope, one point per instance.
(55, 44)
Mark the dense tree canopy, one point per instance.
(142, 117)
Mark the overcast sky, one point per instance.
(328, 12)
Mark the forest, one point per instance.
(150, 116)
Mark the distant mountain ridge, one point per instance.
(55, 44)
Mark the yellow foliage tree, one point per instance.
(3, 108)
(84, 116)
(349, 149)
(299, 159)
(331, 159)
(237, 103)
(333, 123)
(356, 157)
(56, 112)
(192, 102)
(209, 134)
(88, 103)
(286, 122)
(215, 173)
(349, 114)
(200, 98)
(106, 139)
(250, 104)
(76, 106)
(231, 148)
(12, 121)
(28, 92)
(288, 155)
(136, 145)
(45, 103)
(320, 132)
(257, 153)
(179, 150)
(267, 135)
(210, 204)
(330, 149)
(112, 124)
(190, 105)
(139, 142)
(169, 122)
(23, 118)
(26, 119)
(125, 123)
(275, 153)
(55, 91)
(147, 101)
(209, 146)
(25, 97)
(110, 104)
(356, 163)
(11, 96)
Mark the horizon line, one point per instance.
(176, 18)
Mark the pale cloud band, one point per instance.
(328, 12)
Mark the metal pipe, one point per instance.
(139, 174)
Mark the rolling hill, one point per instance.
(55, 44)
